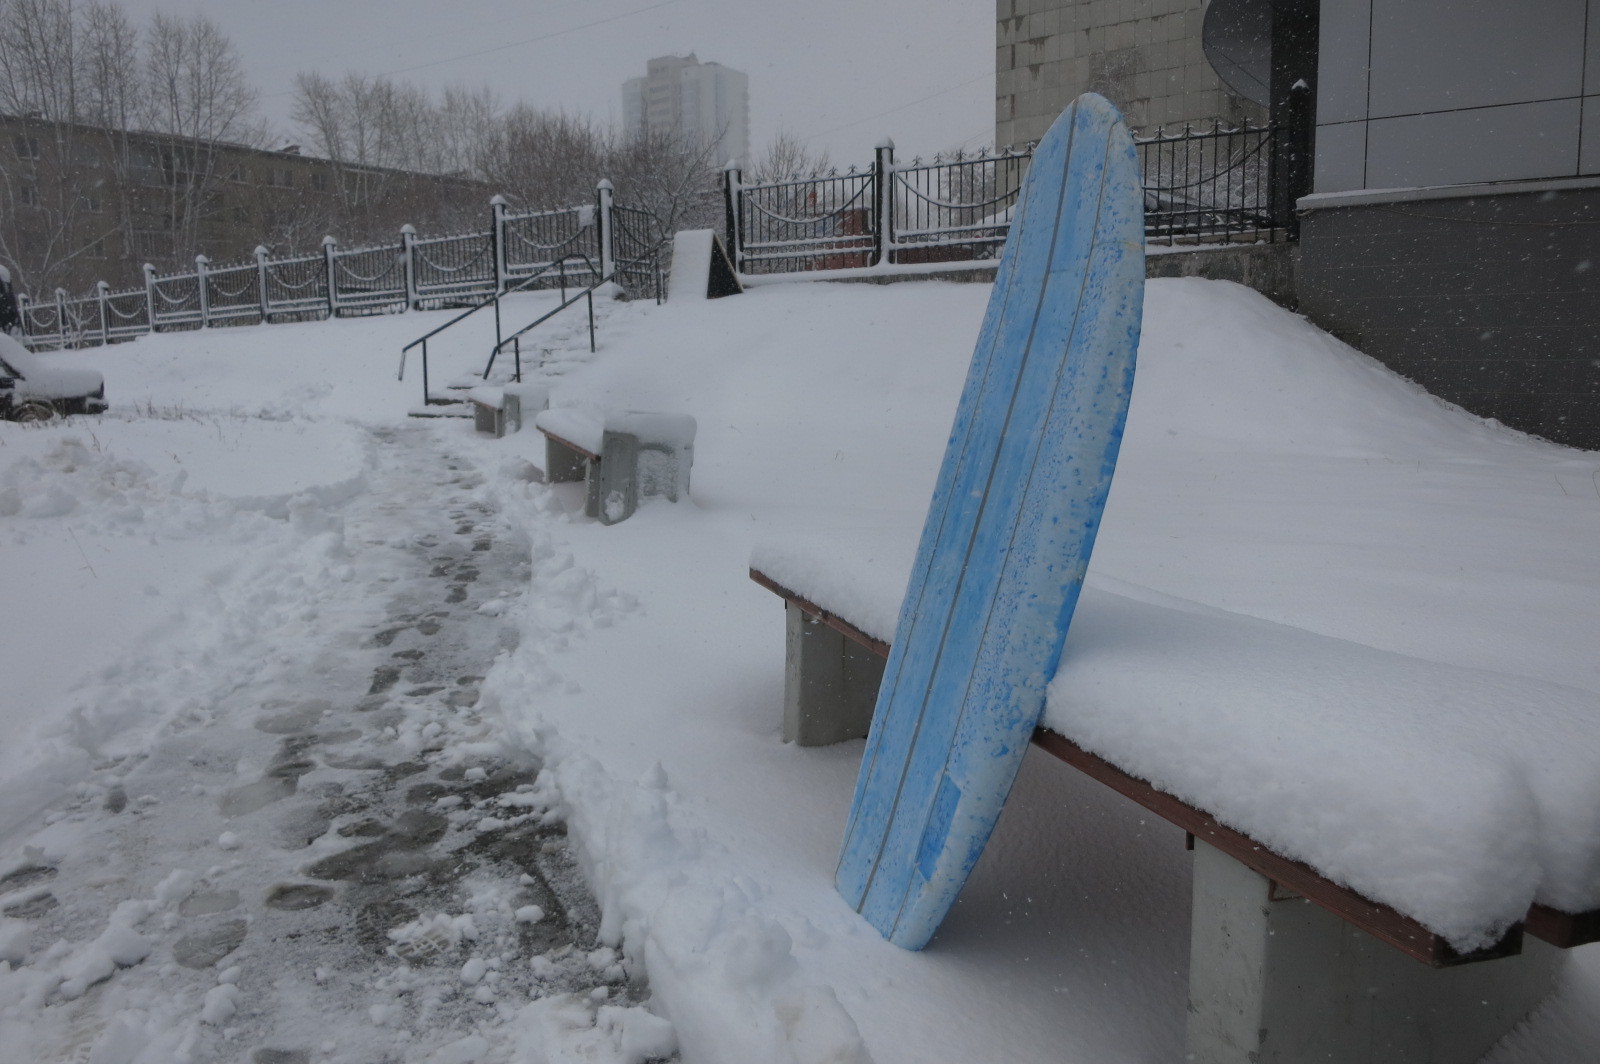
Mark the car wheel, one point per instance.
(33, 410)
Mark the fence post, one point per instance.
(150, 295)
(408, 262)
(23, 304)
(883, 175)
(497, 205)
(1297, 155)
(102, 292)
(329, 245)
(61, 316)
(608, 254)
(731, 188)
(261, 284)
(200, 262)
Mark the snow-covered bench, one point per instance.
(1273, 978)
(621, 455)
(499, 410)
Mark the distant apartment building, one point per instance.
(1145, 56)
(79, 203)
(679, 95)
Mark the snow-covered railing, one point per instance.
(519, 249)
(1210, 183)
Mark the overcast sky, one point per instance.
(840, 74)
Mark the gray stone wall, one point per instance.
(1491, 301)
(1143, 55)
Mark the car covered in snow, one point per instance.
(33, 390)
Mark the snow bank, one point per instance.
(129, 529)
(1269, 474)
(1412, 709)
(1458, 796)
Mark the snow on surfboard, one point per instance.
(1008, 534)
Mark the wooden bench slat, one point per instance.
(1382, 922)
(832, 620)
(1562, 929)
(569, 445)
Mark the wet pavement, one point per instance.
(339, 860)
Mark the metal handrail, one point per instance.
(515, 339)
(652, 255)
(494, 301)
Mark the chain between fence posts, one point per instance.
(731, 175)
(102, 292)
(408, 264)
(883, 185)
(261, 284)
(150, 295)
(200, 263)
(497, 206)
(329, 246)
(607, 229)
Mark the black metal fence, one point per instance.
(518, 249)
(1202, 185)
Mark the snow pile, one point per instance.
(1285, 514)
(567, 1029)
(65, 973)
(1271, 470)
(1458, 796)
(859, 575)
(722, 970)
(133, 528)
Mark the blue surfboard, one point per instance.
(1008, 534)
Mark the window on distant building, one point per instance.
(26, 147)
(30, 194)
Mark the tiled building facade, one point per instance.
(1143, 55)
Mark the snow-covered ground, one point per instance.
(184, 574)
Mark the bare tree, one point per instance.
(61, 65)
(111, 92)
(673, 177)
(111, 98)
(196, 91)
(466, 120)
(38, 69)
(388, 142)
(545, 159)
(787, 157)
(196, 83)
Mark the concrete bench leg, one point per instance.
(1274, 979)
(631, 468)
(830, 683)
(614, 484)
(562, 464)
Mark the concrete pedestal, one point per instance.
(1274, 979)
(830, 683)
